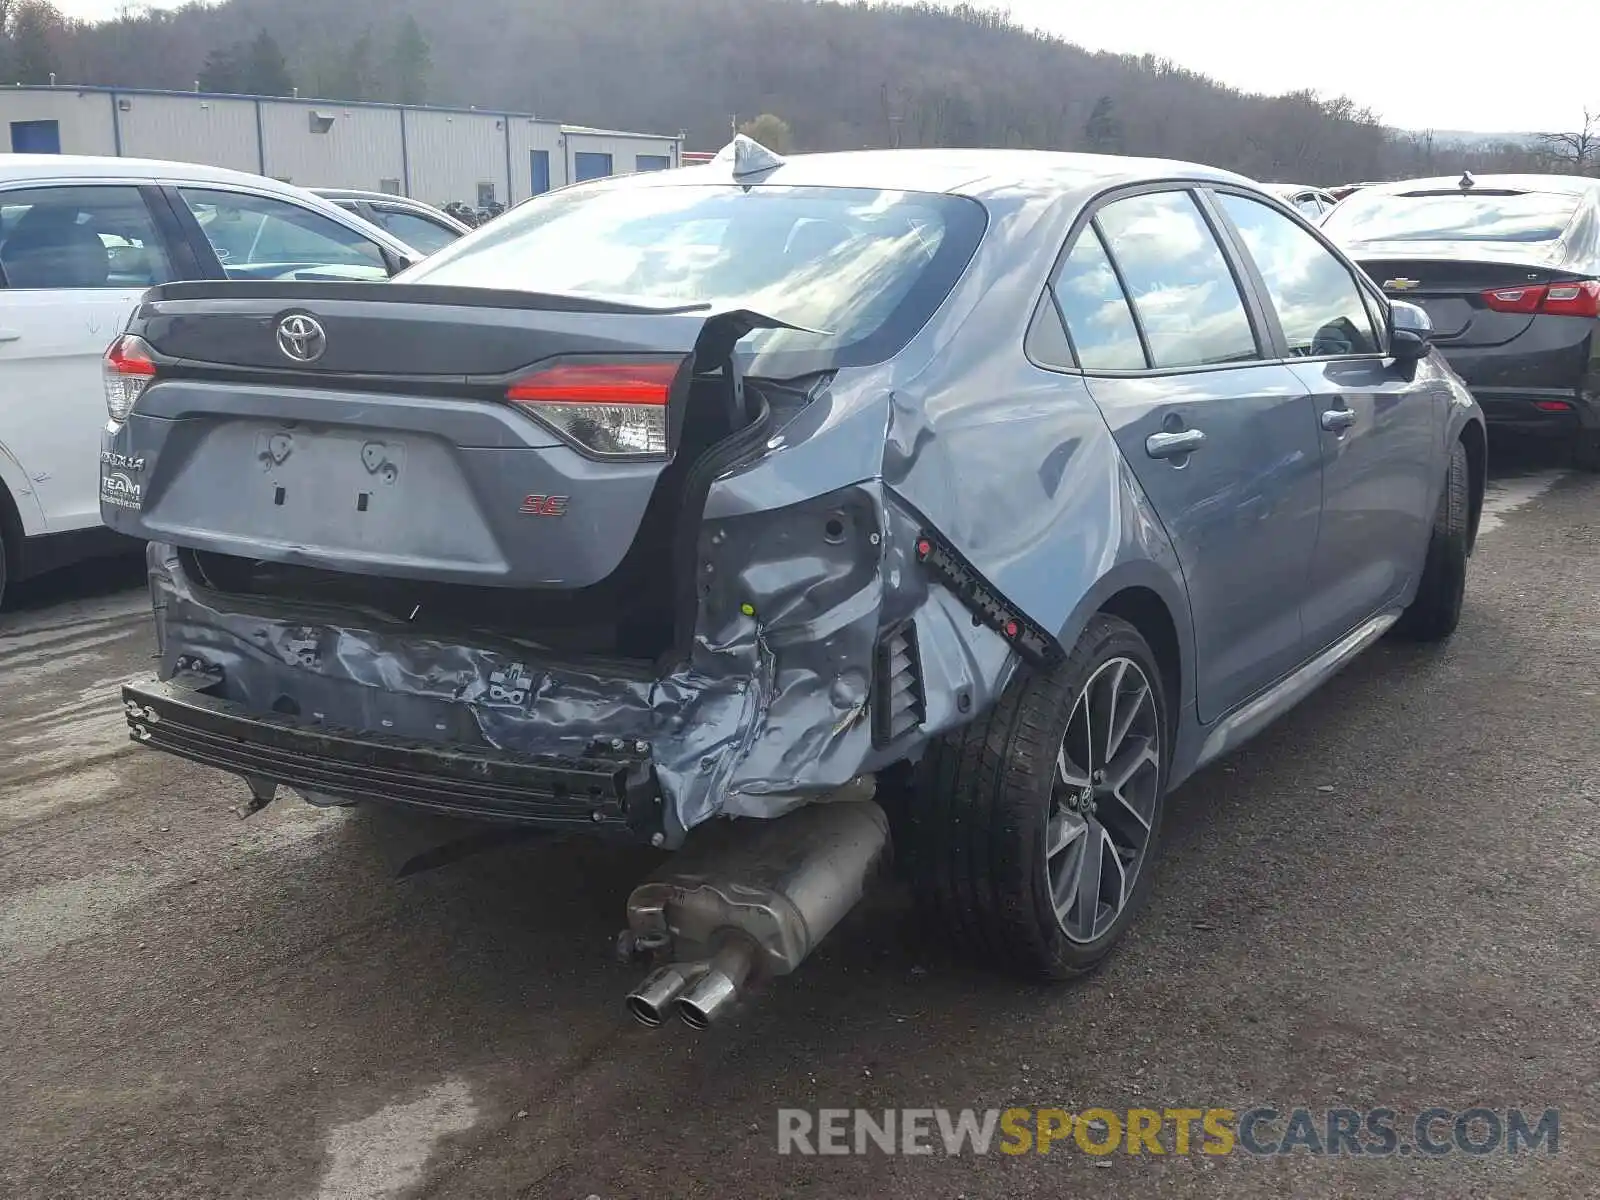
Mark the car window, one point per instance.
(1095, 311)
(80, 237)
(1308, 205)
(1178, 279)
(262, 237)
(414, 230)
(1318, 301)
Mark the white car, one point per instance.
(80, 241)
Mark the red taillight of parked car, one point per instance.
(1576, 298)
(128, 369)
(611, 409)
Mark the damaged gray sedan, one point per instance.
(774, 510)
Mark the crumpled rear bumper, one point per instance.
(782, 699)
(609, 787)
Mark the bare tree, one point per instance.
(1579, 151)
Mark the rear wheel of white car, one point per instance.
(1434, 614)
(1034, 830)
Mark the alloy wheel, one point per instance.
(1103, 799)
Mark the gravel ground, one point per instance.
(1391, 899)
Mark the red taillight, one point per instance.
(598, 383)
(1552, 406)
(1515, 300)
(1580, 298)
(608, 408)
(128, 369)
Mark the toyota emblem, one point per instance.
(302, 338)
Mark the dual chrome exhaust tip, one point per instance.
(697, 993)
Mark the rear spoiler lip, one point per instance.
(716, 335)
(1381, 253)
(305, 293)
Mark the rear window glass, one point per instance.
(1452, 217)
(1095, 310)
(860, 270)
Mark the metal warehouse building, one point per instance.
(438, 155)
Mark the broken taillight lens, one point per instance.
(613, 409)
(128, 369)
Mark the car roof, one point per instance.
(336, 193)
(1569, 185)
(23, 168)
(975, 173)
(15, 168)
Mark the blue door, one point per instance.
(1222, 438)
(587, 164)
(1378, 424)
(540, 161)
(36, 137)
(651, 162)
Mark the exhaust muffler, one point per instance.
(748, 900)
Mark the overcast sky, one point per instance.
(1513, 65)
(1488, 65)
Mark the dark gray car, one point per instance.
(1508, 269)
(1007, 487)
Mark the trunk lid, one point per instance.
(392, 449)
(1448, 281)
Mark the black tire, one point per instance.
(1586, 452)
(1436, 611)
(2, 567)
(989, 794)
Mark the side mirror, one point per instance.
(1410, 332)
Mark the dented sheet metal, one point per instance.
(770, 710)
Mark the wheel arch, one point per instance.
(11, 536)
(1477, 446)
(1150, 599)
(1147, 612)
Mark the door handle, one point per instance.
(10, 335)
(1336, 420)
(1174, 445)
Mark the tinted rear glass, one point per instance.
(862, 269)
(1452, 217)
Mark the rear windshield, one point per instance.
(1452, 217)
(860, 270)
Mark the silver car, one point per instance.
(968, 500)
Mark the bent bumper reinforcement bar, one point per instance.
(1035, 645)
(606, 787)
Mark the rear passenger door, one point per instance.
(1379, 427)
(74, 260)
(1222, 440)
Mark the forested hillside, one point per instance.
(839, 75)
